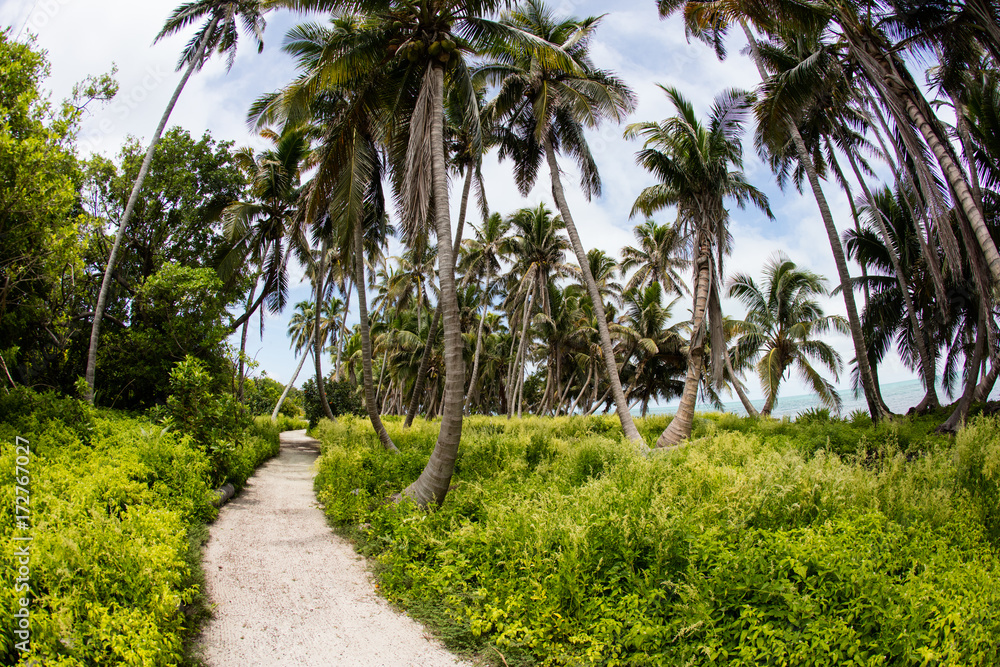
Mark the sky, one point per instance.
(89, 37)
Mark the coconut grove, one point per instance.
(485, 385)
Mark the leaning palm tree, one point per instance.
(548, 106)
(781, 327)
(698, 167)
(300, 331)
(221, 33)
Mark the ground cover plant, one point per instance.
(818, 542)
(118, 507)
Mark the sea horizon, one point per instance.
(899, 396)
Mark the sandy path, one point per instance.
(289, 592)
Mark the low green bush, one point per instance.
(117, 514)
(762, 542)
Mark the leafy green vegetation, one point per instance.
(824, 542)
(118, 506)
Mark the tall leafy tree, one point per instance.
(220, 31)
(698, 166)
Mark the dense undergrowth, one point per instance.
(762, 543)
(118, 507)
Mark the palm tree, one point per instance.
(655, 358)
(405, 48)
(221, 33)
(258, 228)
(481, 261)
(782, 322)
(698, 168)
(868, 31)
(657, 259)
(795, 108)
(548, 106)
(300, 331)
(539, 254)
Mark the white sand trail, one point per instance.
(287, 591)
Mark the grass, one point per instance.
(763, 542)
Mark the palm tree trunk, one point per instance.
(586, 383)
(961, 408)
(243, 343)
(599, 401)
(433, 483)
(318, 334)
(518, 373)
(381, 377)
(288, 387)
(875, 407)
(986, 386)
(102, 297)
(366, 342)
(479, 341)
(343, 332)
(926, 363)
(956, 179)
(631, 432)
(738, 386)
(418, 385)
(680, 426)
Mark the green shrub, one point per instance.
(118, 506)
(758, 543)
(342, 397)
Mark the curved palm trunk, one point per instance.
(956, 179)
(102, 297)
(479, 342)
(986, 386)
(738, 386)
(926, 361)
(243, 344)
(961, 411)
(366, 342)
(288, 387)
(631, 432)
(680, 426)
(343, 333)
(318, 336)
(876, 408)
(518, 372)
(432, 485)
(418, 385)
(583, 390)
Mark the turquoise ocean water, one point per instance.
(899, 396)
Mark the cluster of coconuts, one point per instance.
(440, 47)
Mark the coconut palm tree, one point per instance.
(220, 32)
(781, 327)
(659, 255)
(547, 106)
(698, 166)
(300, 331)
(403, 53)
(655, 357)
(481, 262)
(539, 255)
